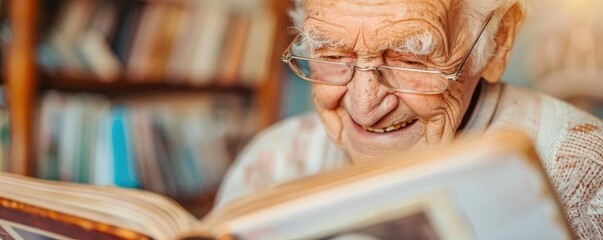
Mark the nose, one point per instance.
(369, 100)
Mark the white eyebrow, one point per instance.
(314, 40)
(418, 45)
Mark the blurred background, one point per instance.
(559, 51)
(163, 94)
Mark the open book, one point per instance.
(492, 187)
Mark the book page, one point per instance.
(91, 207)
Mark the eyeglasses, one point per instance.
(400, 79)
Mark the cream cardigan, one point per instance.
(569, 142)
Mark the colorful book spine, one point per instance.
(126, 174)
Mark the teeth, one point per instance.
(388, 129)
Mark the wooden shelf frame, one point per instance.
(21, 84)
(125, 86)
(269, 93)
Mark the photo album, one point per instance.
(487, 187)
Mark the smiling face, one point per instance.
(366, 119)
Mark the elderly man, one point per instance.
(389, 76)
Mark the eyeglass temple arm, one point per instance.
(458, 71)
(287, 54)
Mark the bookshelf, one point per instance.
(26, 82)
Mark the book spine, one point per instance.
(126, 174)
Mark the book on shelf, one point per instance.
(205, 53)
(259, 46)
(492, 187)
(4, 131)
(230, 61)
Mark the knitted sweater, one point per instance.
(568, 141)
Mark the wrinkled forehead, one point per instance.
(365, 25)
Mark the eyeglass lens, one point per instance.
(412, 81)
(323, 72)
(395, 79)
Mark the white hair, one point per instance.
(420, 44)
(473, 12)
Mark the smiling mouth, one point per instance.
(392, 128)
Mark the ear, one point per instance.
(504, 39)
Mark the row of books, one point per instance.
(180, 149)
(181, 42)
